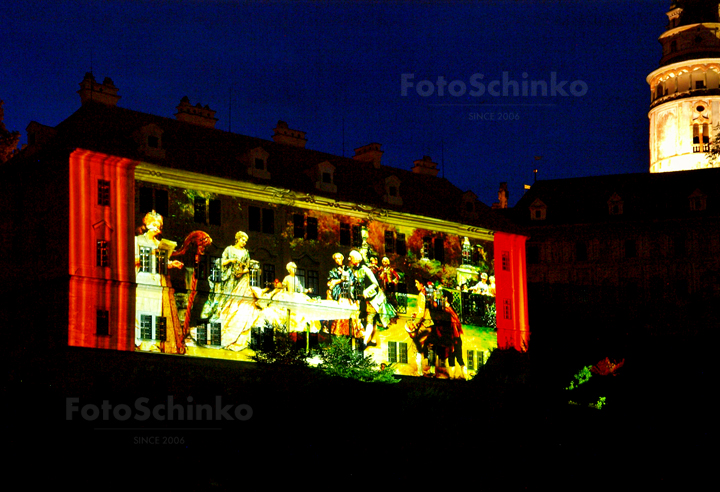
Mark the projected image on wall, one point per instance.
(421, 300)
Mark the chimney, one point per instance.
(425, 166)
(285, 135)
(196, 115)
(105, 93)
(369, 153)
(8, 140)
(503, 196)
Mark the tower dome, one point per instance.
(685, 90)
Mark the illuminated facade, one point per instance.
(685, 89)
(171, 236)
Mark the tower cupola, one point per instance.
(685, 89)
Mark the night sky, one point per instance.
(335, 71)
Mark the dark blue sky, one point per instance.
(322, 66)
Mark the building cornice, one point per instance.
(265, 193)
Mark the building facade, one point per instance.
(634, 251)
(168, 235)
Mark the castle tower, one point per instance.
(685, 90)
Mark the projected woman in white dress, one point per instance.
(237, 309)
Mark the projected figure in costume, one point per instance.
(482, 286)
(339, 283)
(366, 289)
(456, 331)
(237, 308)
(420, 329)
(157, 326)
(390, 279)
(492, 288)
(292, 283)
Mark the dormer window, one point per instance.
(150, 139)
(615, 205)
(257, 163)
(392, 191)
(538, 210)
(468, 203)
(698, 201)
(325, 177)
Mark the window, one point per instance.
(426, 252)
(701, 137)
(149, 140)
(392, 191)
(505, 257)
(679, 246)
(533, 255)
(160, 328)
(400, 245)
(103, 192)
(345, 236)
(350, 235)
(207, 211)
(475, 359)
(395, 243)
(102, 322)
(103, 253)
(538, 210)
(208, 333)
(261, 220)
(433, 248)
(357, 236)
(214, 211)
(300, 231)
(300, 274)
(313, 281)
(389, 242)
(161, 265)
(581, 251)
(200, 206)
(153, 199)
(698, 201)
(397, 352)
(324, 173)
(439, 249)
(507, 308)
(268, 275)
(215, 274)
(146, 327)
(145, 259)
(256, 162)
(312, 228)
(630, 248)
(615, 205)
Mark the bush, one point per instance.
(339, 359)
